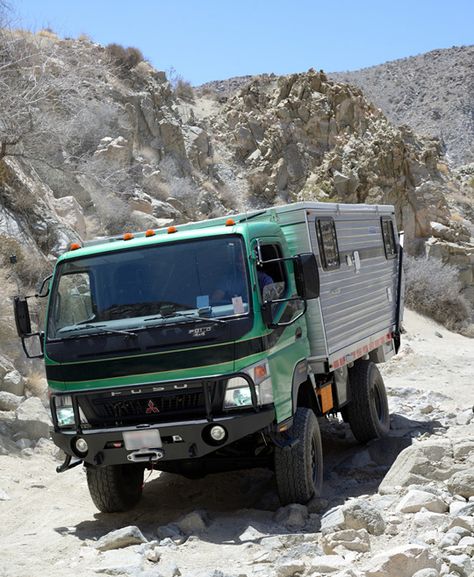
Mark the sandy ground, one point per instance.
(49, 524)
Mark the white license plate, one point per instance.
(147, 439)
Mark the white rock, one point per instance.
(462, 564)
(456, 506)
(428, 520)
(426, 573)
(251, 534)
(360, 514)
(460, 531)
(13, 383)
(327, 564)
(293, 516)
(462, 483)
(351, 539)
(170, 531)
(4, 496)
(289, 568)
(9, 401)
(467, 522)
(449, 539)
(194, 522)
(467, 541)
(333, 520)
(168, 568)
(124, 537)
(24, 444)
(32, 419)
(121, 562)
(401, 561)
(416, 500)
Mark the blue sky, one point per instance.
(215, 39)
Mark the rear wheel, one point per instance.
(367, 413)
(299, 468)
(115, 488)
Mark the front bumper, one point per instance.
(106, 445)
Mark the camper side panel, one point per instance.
(358, 296)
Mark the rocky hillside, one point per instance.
(93, 141)
(432, 93)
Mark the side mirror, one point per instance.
(306, 276)
(22, 316)
(43, 288)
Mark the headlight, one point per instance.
(65, 411)
(238, 391)
(237, 394)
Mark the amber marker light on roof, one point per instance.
(230, 222)
(128, 236)
(172, 229)
(74, 246)
(150, 232)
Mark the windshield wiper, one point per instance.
(101, 329)
(182, 318)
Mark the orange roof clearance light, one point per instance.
(172, 229)
(150, 232)
(128, 236)
(230, 222)
(75, 246)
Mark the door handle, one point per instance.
(298, 333)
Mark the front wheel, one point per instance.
(115, 488)
(299, 468)
(367, 412)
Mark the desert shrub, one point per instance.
(184, 90)
(433, 289)
(28, 269)
(124, 58)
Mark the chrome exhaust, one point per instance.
(145, 455)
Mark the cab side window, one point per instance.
(327, 240)
(272, 280)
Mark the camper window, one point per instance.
(388, 237)
(326, 231)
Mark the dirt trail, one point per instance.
(49, 523)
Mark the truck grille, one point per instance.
(102, 409)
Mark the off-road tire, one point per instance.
(367, 412)
(299, 468)
(115, 488)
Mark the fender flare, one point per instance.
(300, 375)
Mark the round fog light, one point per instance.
(81, 445)
(217, 433)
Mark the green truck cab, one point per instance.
(217, 345)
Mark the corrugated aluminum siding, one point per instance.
(356, 305)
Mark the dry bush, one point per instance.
(184, 90)
(29, 269)
(36, 384)
(433, 289)
(124, 58)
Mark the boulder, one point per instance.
(360, 514)
(462, 483)
(9, 401)
(416, 500)
(292, 516)
(32, 419)
(192, 523)
(13, 382)
(70, 211)
(120, 538)
(402, 561)
(349, 539)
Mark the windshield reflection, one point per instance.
(191, 281)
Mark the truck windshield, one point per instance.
(142, 287)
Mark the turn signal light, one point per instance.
(128, 236)
(74, 246)
(172, 229)
(150, 232)
(230, 222)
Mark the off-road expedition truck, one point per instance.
(217, 345)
